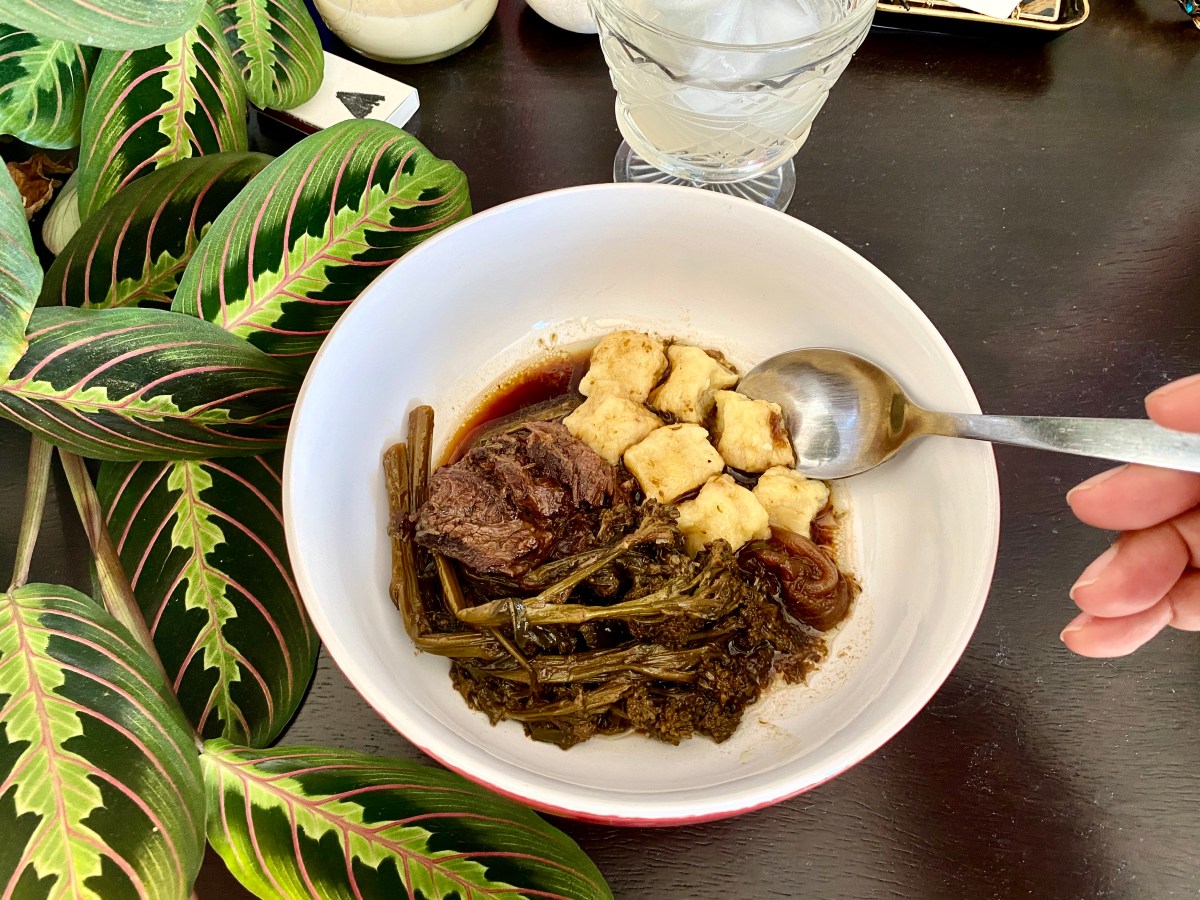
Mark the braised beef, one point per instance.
(570, 462)
(469, 519)
(539, 497)
(512, 502)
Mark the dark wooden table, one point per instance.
(1040, 203)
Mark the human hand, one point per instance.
(1149, 578)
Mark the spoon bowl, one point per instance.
(847, 415)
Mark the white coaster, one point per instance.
(351, 91)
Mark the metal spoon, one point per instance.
(846, 415)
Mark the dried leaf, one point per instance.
(36, 182)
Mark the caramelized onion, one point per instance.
(811, 585)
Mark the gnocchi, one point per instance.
(625, 364)
(751, 434)
(791, 500)
(695, 377)
(610, 425)
(673, 460)
(722, 509)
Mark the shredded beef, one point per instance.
(570, 462)
(467, 518)
(541, 498)
(510, 503)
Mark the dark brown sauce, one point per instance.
(551, 378)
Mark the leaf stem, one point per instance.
(36, 480)
(114, 584)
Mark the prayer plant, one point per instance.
(167, 342)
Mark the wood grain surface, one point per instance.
(1039, 202)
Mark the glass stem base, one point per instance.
(773, 189)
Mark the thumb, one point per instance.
(1177, 405)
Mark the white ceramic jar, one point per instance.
(407, 31)
(572, 15)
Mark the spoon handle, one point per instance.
(1123, 440)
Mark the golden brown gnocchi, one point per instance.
(751, 434)
(610, 425)
(722, 509)
(673, 460)
(625, 364)
(695, 377)
(791, 500)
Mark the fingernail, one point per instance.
(1174, 386)
(1077, 624)
(1092, 573)
(1095, 480)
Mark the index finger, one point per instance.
(1132, 497)
(1177, 405)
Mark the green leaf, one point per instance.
(101, 794)
(204, 547)
(276, 45)
(313, 229)
(20, 273)
(119, 24)
(150, 108)
(307, 822)
(134, 249)
(42, 86)
(130, 384)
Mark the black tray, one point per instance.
(1042, 18)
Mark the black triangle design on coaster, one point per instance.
(360, 105)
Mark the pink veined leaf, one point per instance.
(276, 47)
(43, 83)
(20, 274)
(150, 108)
(314, 228)
(119, 24)
(100, 784)
(359, 826)
(127, 384)
(204, 548)
(133, 250)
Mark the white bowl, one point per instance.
(440, 325)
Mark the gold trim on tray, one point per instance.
(1039, 15)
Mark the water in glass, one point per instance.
(714, 91)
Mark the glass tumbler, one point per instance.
(719, 94)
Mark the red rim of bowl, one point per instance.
(619, 821)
